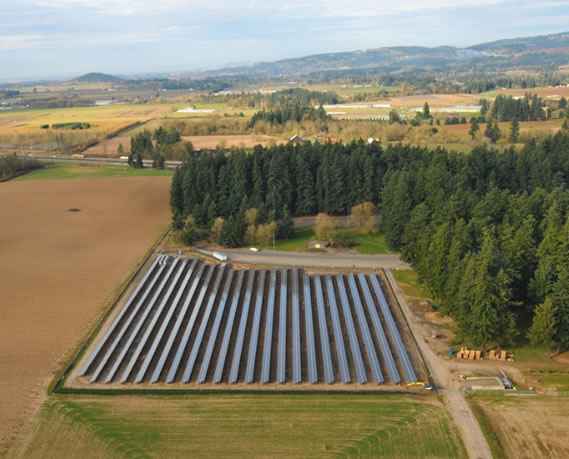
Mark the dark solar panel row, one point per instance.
(228, 329)
(310, 345)
(281, 366)
(172, 336)
(370, 349)
(201, 331)
(126, 325)
(268, 341)
(344, 370)
(379, 333)
(324, 339)
(352, 335)
(242, 329)
(296, 351)
(126, 308)
(193, 317)
(136, 354)
(255, 329)
(400, 348)
(140, 323)
(213, 337)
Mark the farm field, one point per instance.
(60, 269)
(526, 127)
(242, 426)
(104, 119)
(528, 427)
(194, 323)
(60, 171)
(210, 142)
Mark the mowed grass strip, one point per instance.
(242, 426)
(79, 171)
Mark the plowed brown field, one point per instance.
(59, 269)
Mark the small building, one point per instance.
(318, 244)
(297, 140)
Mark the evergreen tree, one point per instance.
(285, 226)
(514, 130)
(474, 128)
(543, 329)
(138, 163)
(426, 111)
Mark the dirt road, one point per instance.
(315, 260)
(459, 408)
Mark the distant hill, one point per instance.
(547, 52)
(95, 77)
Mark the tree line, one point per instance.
(487, 231)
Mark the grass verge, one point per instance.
(59, 171)
(494, 443)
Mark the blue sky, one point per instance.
(53, 38)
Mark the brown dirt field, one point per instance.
(60, 269)
(435, 100)
(111, 146)
(209, 142)
(529, 428)
(542, 92)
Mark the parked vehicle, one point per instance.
(220, 256)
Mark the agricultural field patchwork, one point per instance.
(188, 322)
(308, 425)
(527, 427)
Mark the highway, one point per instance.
(89, 160)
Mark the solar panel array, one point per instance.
(197, 323)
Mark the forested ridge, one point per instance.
(487, 231)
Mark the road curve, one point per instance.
(313, 260)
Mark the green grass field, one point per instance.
(389, 425)
(408, 280)
(373, 243)
(60, 171)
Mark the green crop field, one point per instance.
(74, 171)
(217, 425)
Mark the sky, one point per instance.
(66, 38)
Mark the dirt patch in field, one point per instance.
(59, 270)
(529, 428)
(554, 93)
(210, 142)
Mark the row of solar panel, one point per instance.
(168, 320)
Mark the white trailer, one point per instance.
(220, 256)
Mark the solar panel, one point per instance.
(242, 328)
(149, 329)
(165, 323)
(213, 336)
(352, 335)
(281, 367)
(324, 340)
(228, 328)
(190, 325)
(174, 332)
(338, 338)
(399, 347)
(201, 331)
(249, 373)
(370, 349)
(296, 352)
(310, 346)
(140, 323)
(126, 325)
(266, 368)
(122, 312)
(385, 349)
